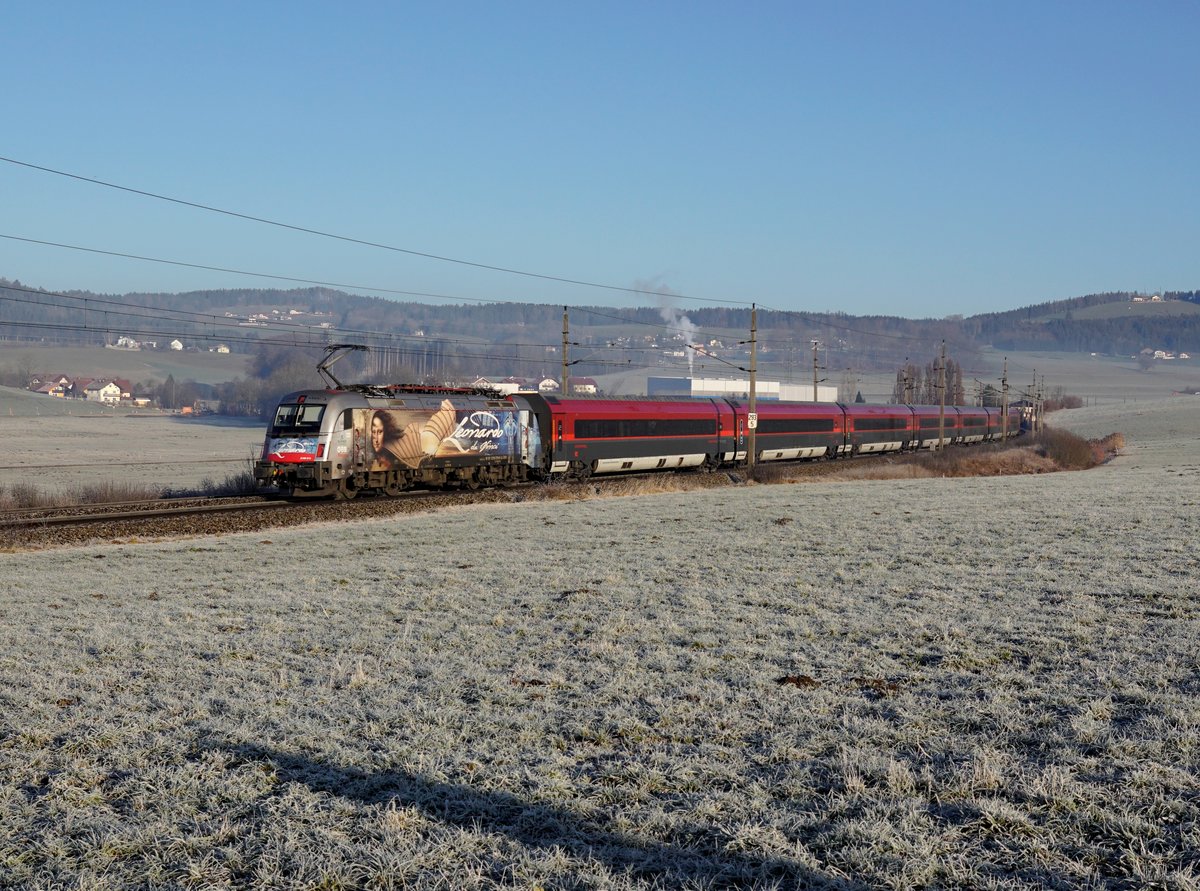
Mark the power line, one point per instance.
(283, 278)
(185, 316)
(133, 310)
(295, 279)
(815, 319)
(288, 278)
(351, 240)
(288, 334)
(190, 317)
(319, 337)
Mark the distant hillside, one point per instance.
(1120, 323)
(423, 340)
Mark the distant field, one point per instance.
(1126, 309)
(61, 445)
(134, 366)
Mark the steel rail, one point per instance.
(109, 516)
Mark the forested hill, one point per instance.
(1118, 323)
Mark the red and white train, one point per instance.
(353, 439)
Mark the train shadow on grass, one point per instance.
(699, 863)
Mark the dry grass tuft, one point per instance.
(27, 495)
(241, 482)
(1072, 452)
(1068, 450)
(800, 681)
(1108, 447)
(1052, 450)
(111, 491)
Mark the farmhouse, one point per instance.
(38, 380)
(106, 391)
(50, 388)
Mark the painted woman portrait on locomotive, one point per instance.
(395, 436)
(382, 429)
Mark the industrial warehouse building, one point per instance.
(705, 387)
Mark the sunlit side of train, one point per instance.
(388, 439)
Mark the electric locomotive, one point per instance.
(347, 440)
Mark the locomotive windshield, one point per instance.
(297, 420)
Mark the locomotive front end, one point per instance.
(307, 447)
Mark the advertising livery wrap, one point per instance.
(386, 438)
(336, 442)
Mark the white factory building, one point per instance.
(737, 388)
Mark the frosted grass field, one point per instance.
(59, 453)
(986, 683)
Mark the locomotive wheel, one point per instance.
(393, 489)
(345, 489)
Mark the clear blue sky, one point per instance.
(917, 159)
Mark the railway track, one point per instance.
(126, 510)
(39, 528)
(75, 524)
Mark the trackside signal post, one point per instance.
(752, 413)
(816, 344)
(565, 392)
(942, 403)
(1004, 404)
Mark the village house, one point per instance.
(77, 388)
(38, 380)
(105, 391)
(50, 388)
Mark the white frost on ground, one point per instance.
(993, 684)
(66, 453)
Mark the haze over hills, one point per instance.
(419, 341)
